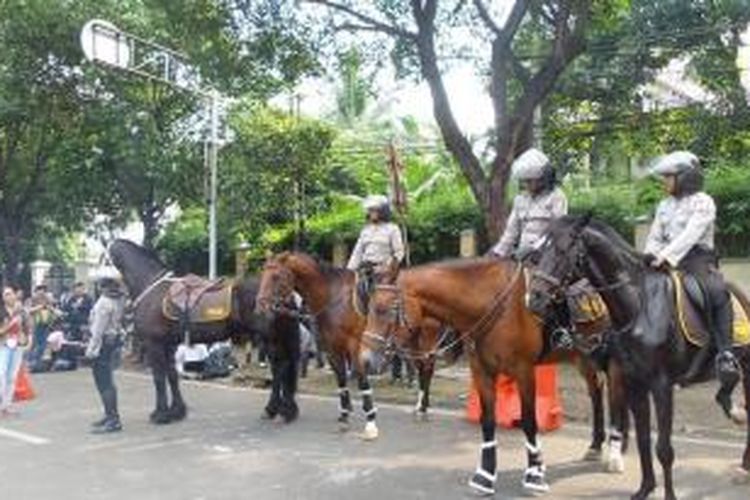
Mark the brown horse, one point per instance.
(328, 294)
(484, 299)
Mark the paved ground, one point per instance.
(223, 451)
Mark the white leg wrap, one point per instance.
(534, 450)
(343, 390)
(366, 392)
(489, 444)
(420, 398)
(486, 475)
(372, 412)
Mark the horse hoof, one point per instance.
(643, 493)
(741, 476)
(290, 415)
(593, 455)
(160, 417)
(343, 425)
(177, 413)
(267, 415)
(738, 415)
(482, 486)
(534, 482)
(371, 432)
(616, 465)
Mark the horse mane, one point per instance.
(327, 269)
(457, 264)
(605, 235)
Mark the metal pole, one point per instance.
(212, 165)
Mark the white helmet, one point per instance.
(374, 202)
(676, 163)
(532, 164)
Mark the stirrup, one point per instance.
(562, 338)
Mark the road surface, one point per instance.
(224, 451)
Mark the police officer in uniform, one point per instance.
(103, 348)
(380, 244)
(540, 202)
(682, 237)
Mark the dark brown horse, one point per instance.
(654, 355)
(328, 294)
(484, 299)
(148, 280)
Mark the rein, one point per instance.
(161, 279)
(478, 327)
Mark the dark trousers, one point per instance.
(103, 369)
(703, 265)
(41, 332)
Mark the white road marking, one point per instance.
(22, 436)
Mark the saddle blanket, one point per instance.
(198, 300)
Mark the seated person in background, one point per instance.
(191, 359)
(64, 354)
(220, 361)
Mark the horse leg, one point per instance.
(663, 403)
(156, 358)
(744, 469)
(177, 410)
(289, 409)
(426, 368)
(533, 478)
(485, 476)
(368, 405)
(274, 399)
(345, 400)
(637, 396)
(594, 452)
(618, 418)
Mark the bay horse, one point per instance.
(653, 353)
(148, 280)
(328, 293)
(484, 299)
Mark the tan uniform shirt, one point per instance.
(377, 243)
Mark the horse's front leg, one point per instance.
(663, 402)
(596, 396)
(368, 405)
(274, 398)
(534, 476)
(484, 478)
(289, 373)
(177, 410)
(157, 360)
(618, 417)
(637, 396)
(345, 401)
(745, 467)
(426, 368)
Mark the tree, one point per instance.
(525, 50)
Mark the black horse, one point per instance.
(652, 352)
(148, 280)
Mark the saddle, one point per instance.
(198, 300)
(690, 306)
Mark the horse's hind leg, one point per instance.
(289, 374)
(745, 467)
(663, 402)
(368, 406)
(639, 406)
(484, 478)
(157, 360)
(533, 478)
(178, 409)
(594, 453)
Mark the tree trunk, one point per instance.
(11, 259)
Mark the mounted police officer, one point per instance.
(682, 237)
(103, 348)
(380, 244)
(539, 202)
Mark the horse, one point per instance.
(484, 299)
(328, 292)
(148, 280)
(653, 359)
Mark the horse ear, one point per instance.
(584, 221)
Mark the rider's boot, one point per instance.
(727, 368)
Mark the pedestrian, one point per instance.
(43, 314)
(104, 347)
(14, 340)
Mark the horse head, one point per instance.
(138, 266)
(562, 260)
(277, 284)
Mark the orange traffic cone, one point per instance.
(549, 412)
(23, 390)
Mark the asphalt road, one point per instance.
(224, 451)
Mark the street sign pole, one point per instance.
(106, 45)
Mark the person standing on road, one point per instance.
(14, 339)
(103, 349)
